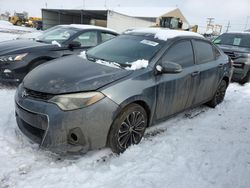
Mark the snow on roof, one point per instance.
(144, 12)
(242, 32)
(165, 34)
(84, 26)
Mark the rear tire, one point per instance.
(19, 23)
(219, 95)
(128, 128)
(245, 79)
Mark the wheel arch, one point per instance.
(126, 103)
(36, 60)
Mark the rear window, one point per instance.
(234, 39)
(204, 52)
(181, 53)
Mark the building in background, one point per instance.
(119, 19)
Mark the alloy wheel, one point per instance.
(131, 129)
(221, 91)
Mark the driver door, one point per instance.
(173, 89)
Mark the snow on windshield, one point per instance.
(56, 43)
(83, 55)
(139, 64)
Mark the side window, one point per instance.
(181, 53)
(204, 52)
(216, 52)
(87, 39)
(107, 36)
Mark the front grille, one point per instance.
(231, 55)
(33, 133)
(38, 95)
(33, 125)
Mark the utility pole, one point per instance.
(247, 22)
(228, 26)
(210, 21)
(210, 25)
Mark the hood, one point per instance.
(228, 48)
(71, 74)
(23, 46)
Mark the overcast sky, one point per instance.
(196, 11)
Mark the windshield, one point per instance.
(126, 49)
(58, 34)
(234, 39)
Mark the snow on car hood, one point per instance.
(71, 74)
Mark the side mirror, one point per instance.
(74, 44)
(169, 67)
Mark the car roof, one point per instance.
(164, 33)
(239, 32)
(85, 26)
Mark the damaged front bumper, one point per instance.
(64, 131)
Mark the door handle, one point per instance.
(195, 73)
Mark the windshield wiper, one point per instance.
(39, 40)
(102, 61)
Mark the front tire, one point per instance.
(219, 95)
(128, 128)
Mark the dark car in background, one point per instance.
(237, 46)
(153, 75)
(18, 57)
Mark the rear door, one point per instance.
(173, 89)
(207, 72)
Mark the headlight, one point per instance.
(12, 58)
(77, 100)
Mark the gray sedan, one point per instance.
(110, 94)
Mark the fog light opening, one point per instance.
(74, 137)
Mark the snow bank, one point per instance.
(32, 35)
(139, 64)
(7, 36)
(5, 23)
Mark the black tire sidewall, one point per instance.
(113, 133)
(213, 103)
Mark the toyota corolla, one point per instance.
(113, 92)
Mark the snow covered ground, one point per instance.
(200, 148)
(8, 31)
